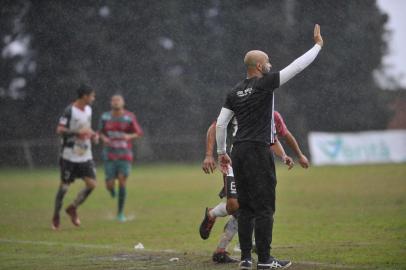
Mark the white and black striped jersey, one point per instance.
(231, 132)
(74, 147)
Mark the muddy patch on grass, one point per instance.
(185, 261)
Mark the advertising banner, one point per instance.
(388, 146)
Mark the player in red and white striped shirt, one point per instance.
(118, 128)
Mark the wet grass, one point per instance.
(327, 218)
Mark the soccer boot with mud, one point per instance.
(206, 225)
(71, 211)
(223, 257)
(56, 222)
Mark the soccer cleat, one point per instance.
(56, 222)
(207, 225)
(223, 257)
(71, 211)
(274, 264)
(245, 264)
(121, 217)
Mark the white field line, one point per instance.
(78, 245)
(96, 246)
(47, 243)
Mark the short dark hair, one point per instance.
(84, 90)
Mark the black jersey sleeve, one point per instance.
(269, 81)
(228, 104)
(65, 118)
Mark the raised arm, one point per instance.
(302, 62)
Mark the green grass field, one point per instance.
(327, 218)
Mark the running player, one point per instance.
(76, 159)
(117, 129)
(209, 165)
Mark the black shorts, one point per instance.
(229, 189)
(72, 170)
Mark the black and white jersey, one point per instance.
(252, 102)
(74, 147)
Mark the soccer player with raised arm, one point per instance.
(251, 102)
(118, 128)
(76, 159)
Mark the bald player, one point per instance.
(252, 103)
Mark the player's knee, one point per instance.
(110, 184)
(121, 183)
(91, 184)
(64, 187)
(122, 179)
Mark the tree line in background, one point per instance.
(174, 61)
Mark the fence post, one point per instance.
(28, 155)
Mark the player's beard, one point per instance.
(265, 69)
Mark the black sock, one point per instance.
(82, 195)
(121, 199)
(112, 192)
(59, 198)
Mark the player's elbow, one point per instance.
(91, 185)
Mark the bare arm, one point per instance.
(277, 148)
(61, 130)
(209, 164)
(104, 138)
(291, 141)
(64, 131)
(130, 136)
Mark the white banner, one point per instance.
(356, 148)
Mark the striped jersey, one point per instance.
(115, 127)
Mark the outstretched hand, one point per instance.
(317, 36)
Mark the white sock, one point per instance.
(219, 211)
(230, 230)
